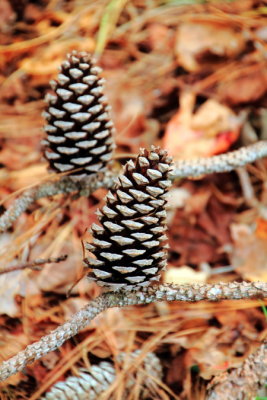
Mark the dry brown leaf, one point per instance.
(7, 15)
(177, 198)
(60, 277)
(197, 203)
(183, 275)
(142, 79)
(22, 122)
(43, 65)
(13, 284)
(128, 107)
(236, 6)
(216, 349)
(208, 131)
(210, 362)
(249, 256)
(197, 42)
(197, 232)
(160, 37)
(248, 87)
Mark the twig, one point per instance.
(244, 382)
(169, 292)
(65, 185)
(221, 163)
(183, 169)
(34, 264)
(247, 188)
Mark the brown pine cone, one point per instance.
(130, 246)
(79, 129)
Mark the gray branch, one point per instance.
(183, 169)
(64, 185)
(169, 292)
(221, 163)
(33, 264)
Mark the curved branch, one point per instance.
(64, 185)
(33, 264)
(169, 292)
(183, 169)
(221, 163)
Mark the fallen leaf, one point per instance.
(202, 43)
(13, 284)
(197, 203)
(235, 7)
(160, 37)
(199, 232)
(249, 256)
(261, 230)
(177, 198)
(183, 275)
(43, 65)
(210, 130)
(60, 277)
(128, 107)
(7, 15)
(248, 87)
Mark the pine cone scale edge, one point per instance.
(79, 129)
(129, 247)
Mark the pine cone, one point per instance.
(152, 367)
(79, 129)
(130, 246)
(90, 384)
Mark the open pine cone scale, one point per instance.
(129, 247)
(79, 129)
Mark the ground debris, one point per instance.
(191, 78)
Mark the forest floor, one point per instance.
(191, 78)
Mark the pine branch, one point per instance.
(244, 382)
(221, 163)
(183, 169)
(65, 185)
(33, 264)
(150, 294)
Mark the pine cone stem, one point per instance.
(146, 295)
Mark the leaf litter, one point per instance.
(186, 77)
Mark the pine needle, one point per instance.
(107, 24)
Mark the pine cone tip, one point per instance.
(79, 129)
(129, 247)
